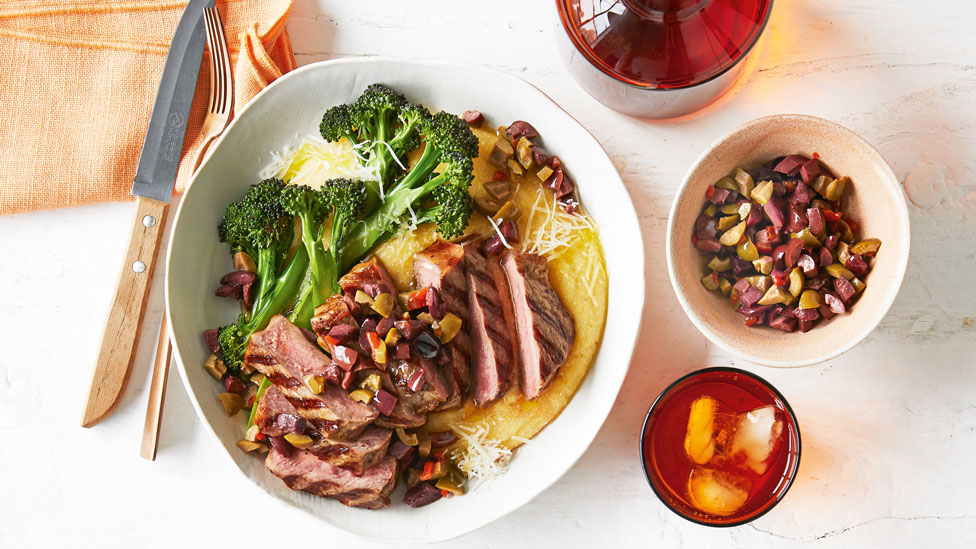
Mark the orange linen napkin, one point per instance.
(78, 81)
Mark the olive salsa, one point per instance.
(780, 245)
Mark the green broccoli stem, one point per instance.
(265, 260)
(304, 310)
(378, 227)
(284, 292)
(265, 383)
(322, 273)
(381, 160)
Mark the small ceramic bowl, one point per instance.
(875, 200)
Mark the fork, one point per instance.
(218, 114)
(221, 84)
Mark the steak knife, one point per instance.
(153, 188)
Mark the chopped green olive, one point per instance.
(763, 192)
(858, 285)
(727, 183)
(747, 250)
(744, 181)
(725, 286)
(744, 210)
(729, 209)
(774, 295)
(727, 222)
(820, 183)
(763, 264)
(808, 237)
(837, 270)
(835, 189)
(809, 299)
(845, 231)
(760, 281)
(732, 236)
(796, 281)
(720, 264)
(866, 246)
(843, 252)
(711, 210)
(710, 281)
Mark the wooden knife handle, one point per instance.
(117, 351)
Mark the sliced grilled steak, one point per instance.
(370, 271)
(275, 413)
(546, 329)
(272, 405)
(403, 416)
(283, 354)
(441, 266)
(491, 326)
(356, 455)
(303, 470)
(431, 391)
(330, 314)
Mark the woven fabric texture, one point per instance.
(77, 84)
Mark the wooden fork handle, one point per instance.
(118, 347)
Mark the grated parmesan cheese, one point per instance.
(315, 161)
(550, 231)
(479, 457)
(498, 231)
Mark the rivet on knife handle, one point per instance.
(124, 322)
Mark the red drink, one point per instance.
(720, 446)
(634, 48)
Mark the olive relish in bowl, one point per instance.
(780, 246)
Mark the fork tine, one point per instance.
(212, 47)
(227, 75)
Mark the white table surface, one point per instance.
(889, 429)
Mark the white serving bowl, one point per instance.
(292, 107)
(874, 199)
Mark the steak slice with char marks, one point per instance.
(285, 356)
(370, 271)
(330, 314)
(271, 405)
(545, 328)
(432, 391)
(356, 455)
(303, 470)
(403, 416)
(441, 266)
(491, 326)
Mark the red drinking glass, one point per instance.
(659, 58)
(676, 478)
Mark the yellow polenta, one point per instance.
(577, 272)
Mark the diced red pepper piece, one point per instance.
(417, 299)
(752, 320)
(710, 191)
(428, 471)
(499, 176)
(831, 215)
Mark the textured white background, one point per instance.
(889, 429)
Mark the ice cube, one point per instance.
(756, 436)
(717, 492)
(710, 427)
